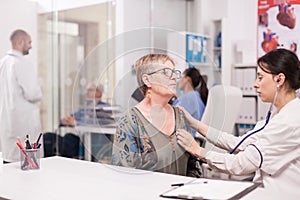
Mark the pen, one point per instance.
(182, 184)
(28, 146)
(177, 184)
(37, 141)
(19, 140)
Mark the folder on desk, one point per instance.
(211, 189)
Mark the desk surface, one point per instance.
(64, 178)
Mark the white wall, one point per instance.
(134, 19)
(18, 14)
(202, 12)
(243, 19)
(241, 24)
(55, 5)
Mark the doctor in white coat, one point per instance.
(272, 149)
(20, 93)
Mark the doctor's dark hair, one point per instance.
(282, 61)
(198, 82)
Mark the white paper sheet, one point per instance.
(209, 189)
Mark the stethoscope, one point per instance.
(266, 122)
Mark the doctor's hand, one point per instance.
(189, 119)
(199, 126)
(187, 141)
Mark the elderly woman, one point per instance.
(145, 137)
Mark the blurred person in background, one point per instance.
(195, 93)
(20, 94)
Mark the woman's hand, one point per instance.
(187, 141)
(69, 121)
(189, 119)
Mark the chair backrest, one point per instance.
(222, 108)
(221, 112)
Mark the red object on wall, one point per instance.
(270, 41)
(286, 16)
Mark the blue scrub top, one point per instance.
(193, 103)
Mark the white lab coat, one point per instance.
(19, 97)
(278, 144)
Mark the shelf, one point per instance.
(245, 65)
(194, 33)
(217, 48)
(200, 64)
(196, 50)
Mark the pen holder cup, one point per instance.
(30, 159)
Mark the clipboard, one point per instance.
(204, 188)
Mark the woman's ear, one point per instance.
(146, 80)
(189, 79)
(280, 78)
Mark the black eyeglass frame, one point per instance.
(168, 70)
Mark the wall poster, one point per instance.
(278, 25)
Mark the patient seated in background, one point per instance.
(90, 114)
(89, 111)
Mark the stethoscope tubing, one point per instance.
(267, 121)
(256, 131)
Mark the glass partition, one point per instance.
(66, 38)
(100, 43)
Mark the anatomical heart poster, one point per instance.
(278, 25)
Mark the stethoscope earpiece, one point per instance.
(278, 81)
(278, 86)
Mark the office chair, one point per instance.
(221, 112)
(223, 106)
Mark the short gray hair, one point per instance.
(96, 86)
(146, 65)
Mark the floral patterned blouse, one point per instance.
(139, 144)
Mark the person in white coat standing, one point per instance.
(19, 96)
(272, 149)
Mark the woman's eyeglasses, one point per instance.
(169, 73)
